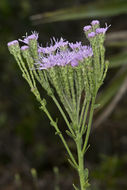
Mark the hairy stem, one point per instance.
(63, 114)
(89, 124)
(80, 162)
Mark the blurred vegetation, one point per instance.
(26, 139)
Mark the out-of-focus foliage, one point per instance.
(90, 10)
(116, 178)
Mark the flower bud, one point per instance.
(25, 51)
(95, 24)
(13, 47)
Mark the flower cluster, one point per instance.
(67, 66)
(64, 54)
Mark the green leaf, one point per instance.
(84, 130)
(97, 9)
(57, 133)
(86, 184)
(86, 149)
(72, 164)
(76, 188)
(86, 173)
(70, 134)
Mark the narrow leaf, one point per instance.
(76, 188)
(72, 164)
(70, 134)
(100, 9)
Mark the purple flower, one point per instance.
(76, 45)
(74, 63)
(91, 35)
(101, 30)
(84, 47)
(47, 50)
(63, 58)
(26, 39)
(87, 28)
(12, 43)
(60, 43)
(52, 48)
(95, 22)
(23, 48)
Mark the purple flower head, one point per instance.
(23, 48)
(13, 47)
(102, 30)
(34, 36)
(46, 62)
(91, 35)
(54, 55)
(63, 58)
(84, 47)
(12, 43)
(52, 48)
(40, 49)
(87, 28)
(95, 22)
(74, 63)
(26, 39)
(47, 50)
(76, 45)
(60, 43)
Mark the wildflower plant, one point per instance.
(66, 71)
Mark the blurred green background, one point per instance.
(26, 138)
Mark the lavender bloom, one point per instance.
(87, 28)
(12, 43)
(23, 48)
(88, 52)
(52, 48)
(101, 30)
(95, 22)
(47, 50)
(26, 39)
(76, 45)
(74, 63)
(91, 35)
(60, 43)
(63, 58)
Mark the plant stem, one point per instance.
(80, 162)
(60, 135)
(89, 125)
(85, 117)
(63, 114)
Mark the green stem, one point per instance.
(78, 110)
(85, 117)
(89, 125)
(63, 114)
(60, 135)
(82, 112)
(80, 162)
